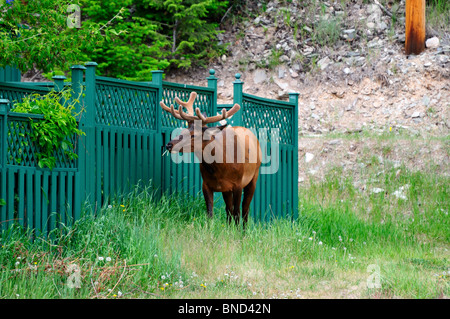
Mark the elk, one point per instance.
(229, 157)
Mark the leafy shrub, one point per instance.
(57, 128)
(37, 34)
(156, 34)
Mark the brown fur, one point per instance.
(228, 177)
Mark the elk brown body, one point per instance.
(230, 157)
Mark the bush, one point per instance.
(57, 128)
(155, 35)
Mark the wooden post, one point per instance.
(415, 26)
(77, 93)
(92, 182)
(59, 82)
(237, 98)
(212, 83)
(157, 79)
(4, 110)
(293, 98)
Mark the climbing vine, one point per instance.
(58, 127)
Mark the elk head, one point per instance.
(196, 124)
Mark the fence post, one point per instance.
(293, 98)
(212, 83)
(237, 98)
(157, 79)
(77, 91)
(90, 139)
(90, 93)
(415, 26)
(59, 82)
(4, 109)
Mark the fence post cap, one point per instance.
(4, 105)
(157, 71)
(78, 67)
(59, 77)
(212, 72)
(238, 78)
(92, 63)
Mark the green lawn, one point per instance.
(345, 237)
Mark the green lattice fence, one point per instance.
(126, 131)
(9, 74)
(33, 195)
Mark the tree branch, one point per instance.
(383, 8)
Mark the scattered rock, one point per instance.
(308, 157)
(323, 63)
(259, 76)
(432, 42)
(283, 94)
(294, 74)
(334, 142)
(371, 25)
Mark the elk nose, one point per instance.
(169, 146)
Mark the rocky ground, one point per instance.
(347, 61)
(362, 84)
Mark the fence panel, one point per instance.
(275, 124)
(9, 74)
(33, 197)
(125, 140)
(126, 131)
(14, 92)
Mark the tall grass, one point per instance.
(140, 247)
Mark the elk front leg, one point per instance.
(237, 196)
(209, 199)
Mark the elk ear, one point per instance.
(221, 127)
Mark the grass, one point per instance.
(438, 15)
(139, 247)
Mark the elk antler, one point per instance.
(171, 110)
(225, 114)
(189, 105)
(181, 115)
(176, 113)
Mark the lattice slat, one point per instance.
(125, 106)
(257, 114)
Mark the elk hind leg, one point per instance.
(237, 197)
(249, 191)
